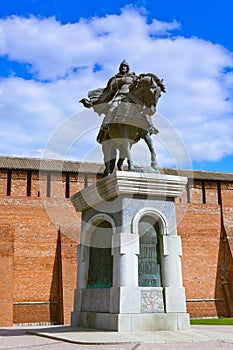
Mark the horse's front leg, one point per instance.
(122, 157)
(128, 155)
(107, 169)
(120, 163)
(109, 153)
(127, 147)
(150, 145)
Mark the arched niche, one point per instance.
(158, 217)
(150, 225)
(97, 251)
(149, 258)
(100, 257)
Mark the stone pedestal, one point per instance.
(129, 259)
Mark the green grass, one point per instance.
(214, 321)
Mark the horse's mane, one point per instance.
(158, 81)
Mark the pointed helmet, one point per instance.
(124, 63)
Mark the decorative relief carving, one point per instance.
(152, 300)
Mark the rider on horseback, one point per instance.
(116, 91)
(127, 103)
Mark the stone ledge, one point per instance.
(129, 183)
(132, 322)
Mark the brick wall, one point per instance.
(207, 256)
(200, 233)
(6, 274)
(39, 235)
(69, 274)
(226, 247)
(39, 231)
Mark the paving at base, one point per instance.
(196, 334)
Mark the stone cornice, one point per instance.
(129, 183)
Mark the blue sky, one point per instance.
(53, 52)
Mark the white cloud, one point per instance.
(159, 27)
(54, 49)
(197, 74)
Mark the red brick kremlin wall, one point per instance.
(39, 231)
(39, 235)
(207, 242)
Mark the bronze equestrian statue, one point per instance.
(127, 103)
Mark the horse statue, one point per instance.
(127, 121)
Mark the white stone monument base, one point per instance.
(137, 297)
(132, 322)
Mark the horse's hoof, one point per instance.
(154, 165)
(106, 173)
